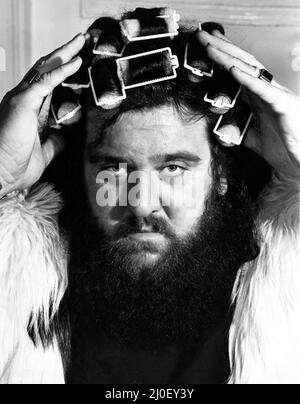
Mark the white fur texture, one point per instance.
(265, 333)
(33, 276)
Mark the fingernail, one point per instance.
(204, 33)
(218, 33)
(77, 59)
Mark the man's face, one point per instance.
(158, 168)
(154, 271)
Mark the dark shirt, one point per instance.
(101, 360)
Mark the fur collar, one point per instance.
(33, 280)
(265, 333)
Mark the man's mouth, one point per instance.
(147, 236)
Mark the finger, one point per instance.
(227, 61)
(268, 93)
(228, 47)
(38, 91)
(55, 59)
(53, 146)
(64, 54)
(44, 114)
(219, 34)
(252, 141)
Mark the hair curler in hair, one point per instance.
(149, 27)
(210, 27)
(221, 102)
(196, 61)
(105, 84)
(152, 66)
(110, 42)
(231, 131)
(65, 107)
(81, 80)
(111, 79)
(223, 93)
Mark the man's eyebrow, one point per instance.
(96, 156)
(182, 155)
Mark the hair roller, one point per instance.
(145, 13)
(147, 68)
(196, 61)
(232, 128)
(139, 29)
(65, 107)
(221, 99)
(80, 80)
(150, 24)
(210, 27)
(110, 42)
(105, 84)
(224, 91)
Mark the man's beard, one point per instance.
(181, 297)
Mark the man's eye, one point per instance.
(173, 170)
(117, 171)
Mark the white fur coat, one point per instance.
(33, 279)
(265, 332)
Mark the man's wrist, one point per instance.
(3, 188)
(6, 188)
(11, 193)
(7, 180)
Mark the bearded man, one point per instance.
(163, 221)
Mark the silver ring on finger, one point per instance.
(35, 73)
(265, 75)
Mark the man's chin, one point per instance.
(141, 255)
(147, 259)
(143, 263)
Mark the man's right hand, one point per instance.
(23, 158)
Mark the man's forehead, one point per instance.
(145, 131)
(159, 118)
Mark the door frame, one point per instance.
(21, 37)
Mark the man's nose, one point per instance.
(144, 196)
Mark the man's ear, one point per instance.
(223, 186)
(222, 181)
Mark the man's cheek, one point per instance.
(185, 203)
(187, 192)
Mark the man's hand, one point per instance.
(276, 108)
(23, 158)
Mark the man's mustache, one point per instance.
(151, 224)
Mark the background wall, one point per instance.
(268, 28)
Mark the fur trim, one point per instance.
(30, 364)
(265, 333)
(33, 275)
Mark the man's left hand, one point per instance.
(275, 107)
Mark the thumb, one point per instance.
(52, 147)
